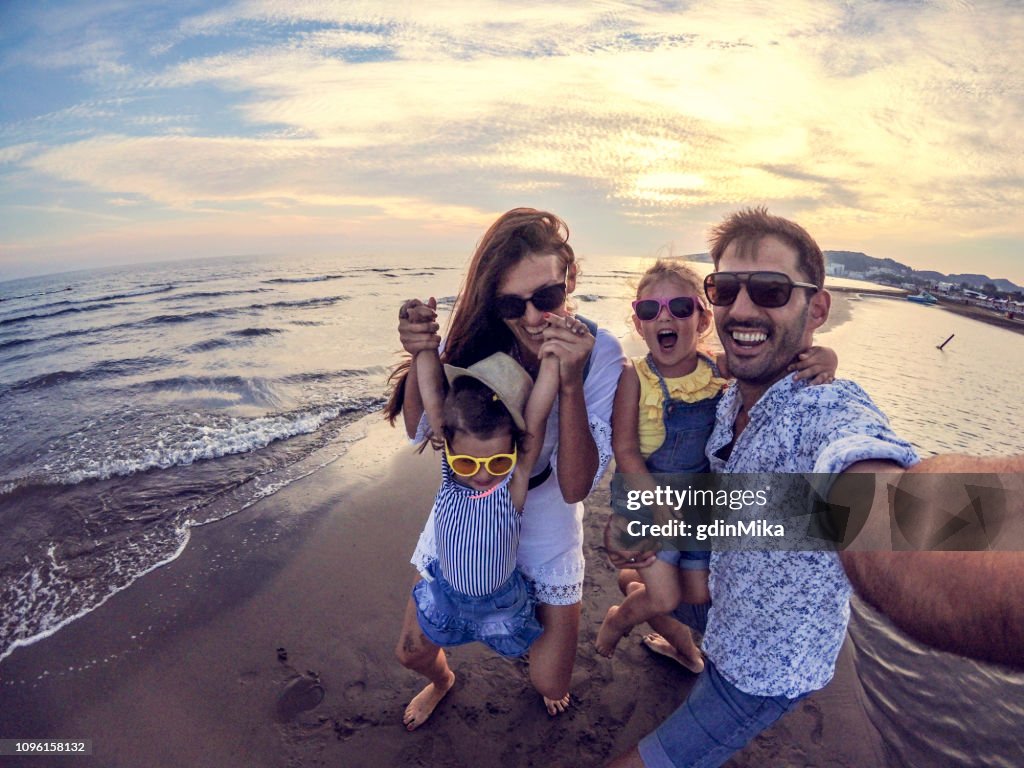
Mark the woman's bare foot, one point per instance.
(610, 633)
(691, 658)
(556, 706)
(424, 702)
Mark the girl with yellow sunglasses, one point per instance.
(491, 425)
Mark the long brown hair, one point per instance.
(474, 331)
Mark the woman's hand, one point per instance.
(614, 530)
(417, 326)
(570, 341)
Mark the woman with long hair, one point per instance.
(517, 286)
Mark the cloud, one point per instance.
(17, 152)
(863, 118)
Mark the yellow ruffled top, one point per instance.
(700, 384)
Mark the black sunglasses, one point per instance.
(680, 307)
(766, 289)
(545, 300)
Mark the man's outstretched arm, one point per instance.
(965, 602)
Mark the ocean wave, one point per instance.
(59, 312)
(233, 339)
(195, 442)
(187, 318)
(248, 332)
(324, 301)
(172, 319)
(344, 373)
(17, 343)
(50, 305)
(316, 279)
(63, 582)
(101, 370)
(205, 383)
(33, 295)
(207, 314)
(49, 596)
(209, 345)
(113, 297)
(133, 294)
(211, 294)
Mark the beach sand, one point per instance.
(196, 663)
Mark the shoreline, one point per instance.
(972, 311)
(190, 665)
(983, 315)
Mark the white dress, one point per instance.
(551, 541)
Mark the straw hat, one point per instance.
(503, 376)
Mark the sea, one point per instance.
(139, 402)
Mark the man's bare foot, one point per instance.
(556, 706)
(610, 633)
(692, 659)
(424, 702)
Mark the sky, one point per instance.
(133, 131)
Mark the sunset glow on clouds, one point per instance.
(131, 130)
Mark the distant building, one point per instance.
(835, 270)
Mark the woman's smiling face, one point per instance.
(533, 273)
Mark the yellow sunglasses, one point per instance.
(466, 466)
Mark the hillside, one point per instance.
(861, 262)
(855, 261)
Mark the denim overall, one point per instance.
(687, 429)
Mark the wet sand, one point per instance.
(197, 662)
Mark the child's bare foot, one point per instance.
(610, 633)
(424, 702)
(691, 659)
(556, 706)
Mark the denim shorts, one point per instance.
(716, 720)
(697, 560)
(504, 620)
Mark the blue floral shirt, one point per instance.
(778, 618)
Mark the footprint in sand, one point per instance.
(302, 693)
(818, 731)
(356, 691)
(346, 729)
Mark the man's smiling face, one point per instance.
(760, 342)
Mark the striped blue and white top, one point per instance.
(477, 536)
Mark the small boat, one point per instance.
(923, 298)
